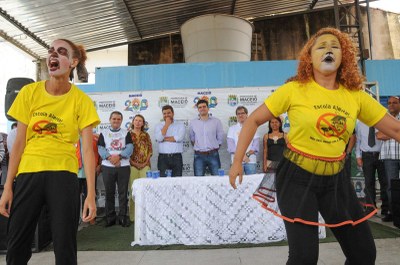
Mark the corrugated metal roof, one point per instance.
(97, 24)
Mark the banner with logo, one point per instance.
(222, 103)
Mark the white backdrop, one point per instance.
(222, 103)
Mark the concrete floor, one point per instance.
(330, 254)
(388, 253)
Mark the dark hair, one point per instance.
(116, 112)
(167, 107)
(280, 126)
(243, 108)
(140, 116)
(80, 54)
(14, 125)
(201, 101)
(396, 97)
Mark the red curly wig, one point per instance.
(348, 73)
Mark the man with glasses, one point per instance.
(206, 134)
(250, 157)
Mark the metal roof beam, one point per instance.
(313, 3)
(132, 18)
(18, 45)
(162, 35)
(233, 7)
(22, 28)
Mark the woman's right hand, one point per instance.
(139, 166)
(235, 171)
(5, 202)
(265, 166)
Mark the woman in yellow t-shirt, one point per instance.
(323, 102)
(43, 167)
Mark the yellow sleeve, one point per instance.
(87, 113)
(20, 109)
(371, 111)
(279, 101)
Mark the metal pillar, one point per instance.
(348, 19)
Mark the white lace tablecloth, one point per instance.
(202, 211)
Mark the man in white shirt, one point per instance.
(390, 154)
(367, 155)
(115, 148)
(170, 135)
(250, 158)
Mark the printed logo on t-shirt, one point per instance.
(49, 125)
(44, 127)
(116, 144)
(331, 125)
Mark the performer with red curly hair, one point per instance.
(323, 102)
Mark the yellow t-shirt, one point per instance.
(53, 124)
(322, 120)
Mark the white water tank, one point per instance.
(217, 38)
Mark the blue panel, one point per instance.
(88, 88)
(191, 75)
(219, 75)
(387, 73)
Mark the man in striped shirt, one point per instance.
(390, 154)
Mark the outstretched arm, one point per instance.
(261, 115)
(389, 126)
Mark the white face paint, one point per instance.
(326, 54)
(59, 58)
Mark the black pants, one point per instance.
(59, 191)
(82, 192)
(119, 175)
(347, 166)
(302, 195)
(356, 242)
(170, 161)
(371, 165)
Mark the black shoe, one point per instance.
(124, 221)
(110, 222)
(387, 218)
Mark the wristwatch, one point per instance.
(248, 154)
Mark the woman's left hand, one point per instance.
(89, 209)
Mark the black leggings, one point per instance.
(356, 242)
(58, 190)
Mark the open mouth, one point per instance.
(53, 64)
(328, 59)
